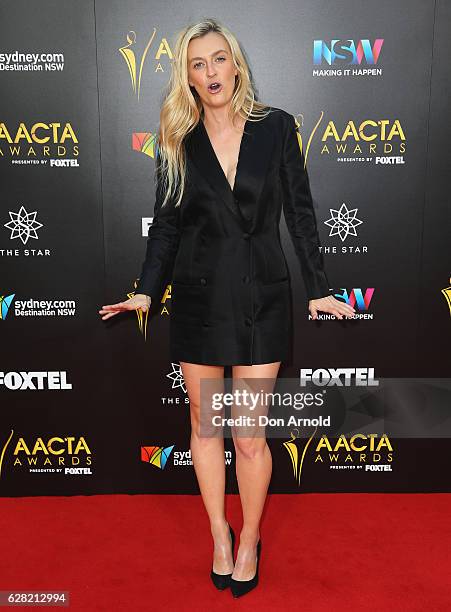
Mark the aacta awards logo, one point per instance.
(297, 450)
(379, 141)
(67, 455)
(135, 64)
(143, 317)
(375, 453)
(135, 58)
(359, 451)
(38, 143)
(447, 293)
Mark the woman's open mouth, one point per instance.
(214, 88)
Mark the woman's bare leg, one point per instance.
(253, 470)
(209, 464)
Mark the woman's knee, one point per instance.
(249, 448)
(202, 429)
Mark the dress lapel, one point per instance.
(255, 153)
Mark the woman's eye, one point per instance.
(200, 63)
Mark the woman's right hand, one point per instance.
(139, 301)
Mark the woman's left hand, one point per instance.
(331, 305)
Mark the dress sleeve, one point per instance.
(299, 213)
(162, 244)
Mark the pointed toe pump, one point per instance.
(222, 581)
(241, 587)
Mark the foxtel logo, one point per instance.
(34, 381)
(328, 377)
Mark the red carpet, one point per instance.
(320, 552)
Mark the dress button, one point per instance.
(246, 279)
(248, 321)
(246, 235)
(203, 281)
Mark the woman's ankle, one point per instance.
(219, 527)
(249, 536)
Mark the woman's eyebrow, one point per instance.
(215, 53)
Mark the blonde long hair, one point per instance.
(181, 109)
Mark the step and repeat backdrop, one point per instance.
(91, 406)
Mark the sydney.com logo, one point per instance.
(5, 303)
(158, 456)
(36, 308)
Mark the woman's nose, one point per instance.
(210, 70)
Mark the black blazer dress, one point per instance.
(231, 299)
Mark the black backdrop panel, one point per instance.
(374, 133)
(434, 320)
(66, 271)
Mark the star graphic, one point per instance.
(177, 377)
(343, 222)
(23, 225)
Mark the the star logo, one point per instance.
(343, 222)
(177, 377)
(23, 225)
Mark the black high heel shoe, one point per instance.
(241, 587)
(222, 581)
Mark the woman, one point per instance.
(225, 166)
